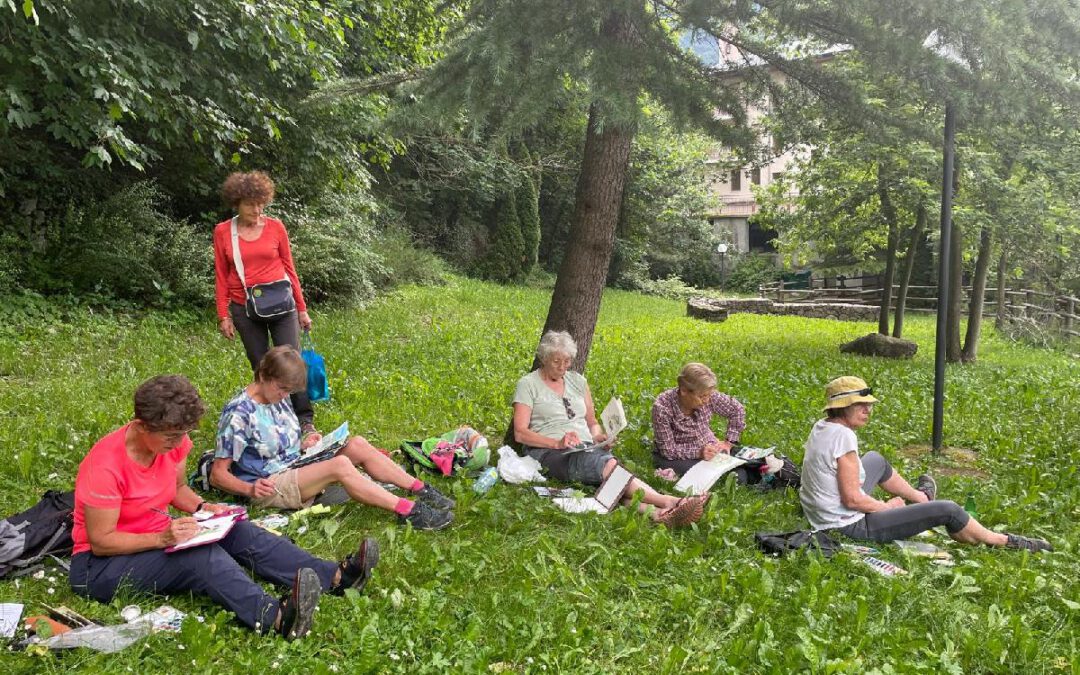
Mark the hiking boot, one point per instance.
(424, 517)
(356, 568)
(298, 607)
(435, 499)
(928, 486)
(1028, 543)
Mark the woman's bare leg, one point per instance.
(314, 478)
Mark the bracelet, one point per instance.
(199, 507)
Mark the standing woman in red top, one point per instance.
(266, 263)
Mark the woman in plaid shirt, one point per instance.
(682, 436)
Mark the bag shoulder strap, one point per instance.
(238, 262)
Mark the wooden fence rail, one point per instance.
(1056, 312)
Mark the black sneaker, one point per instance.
(356, 568)
(1028, 543)
(435, 499)
(423, 517)
(298, 607)
(928, 486)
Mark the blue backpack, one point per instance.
(317, 387)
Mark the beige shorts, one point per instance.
(287, 495)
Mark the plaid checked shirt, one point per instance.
(681, 436)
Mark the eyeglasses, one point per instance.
(173, 436)
(570, 414)
(857, 392)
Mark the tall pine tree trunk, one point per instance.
(889, 212)
(909, 266)
(978, 291)
(575, 302)
(999, 295)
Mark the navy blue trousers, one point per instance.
(219, 571)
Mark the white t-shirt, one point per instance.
(820, 490)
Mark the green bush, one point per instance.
(332, 246)
(403, 262)
(752, 270)
(125, 248)
(505, 256)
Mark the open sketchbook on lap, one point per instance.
(703, 475)
(327, 447)
(607, 496)
(211, 530)
(614, 420)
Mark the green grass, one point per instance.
(516, 585)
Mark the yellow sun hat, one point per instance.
(847, 390)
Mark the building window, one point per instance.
(736, 180)
(755, 176)
(777, 176)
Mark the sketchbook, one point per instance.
(703, 475)
(210, 530)
(614, 420)
(328, 446)
(606, 498)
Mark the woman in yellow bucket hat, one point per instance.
(838, 484)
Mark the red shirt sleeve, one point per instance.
(222, 267)
(290, 268)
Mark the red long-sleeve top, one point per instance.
(268, 258)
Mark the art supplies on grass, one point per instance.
(883, 567)
(553, 492)
(10, 613)
(327, 447)
(923, 549)
(859, 549)
(606, 498)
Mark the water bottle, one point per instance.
(969, 506)
(488, 478)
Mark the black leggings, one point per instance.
(256, 335)
(905, 521)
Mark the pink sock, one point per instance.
(417, 486)
(404, 507)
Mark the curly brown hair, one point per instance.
(168, 403)
(253, 186)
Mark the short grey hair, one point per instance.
(556, 342)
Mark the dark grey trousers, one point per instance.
(256, 336)
(903, 522)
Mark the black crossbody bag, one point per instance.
(263, 301)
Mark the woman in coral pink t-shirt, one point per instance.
(266, 256)
(123, 532)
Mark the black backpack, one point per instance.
(782, 543)
(43, 529)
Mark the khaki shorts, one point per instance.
(287, 495)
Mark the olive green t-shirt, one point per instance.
(549, 415)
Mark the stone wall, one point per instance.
(713, 309)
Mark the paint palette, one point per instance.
(883, 567)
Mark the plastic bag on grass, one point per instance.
(515, 469)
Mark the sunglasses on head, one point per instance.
(857, 392)
(570, 414)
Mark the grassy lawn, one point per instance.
(518, 586)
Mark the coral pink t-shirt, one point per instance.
(109, 479)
